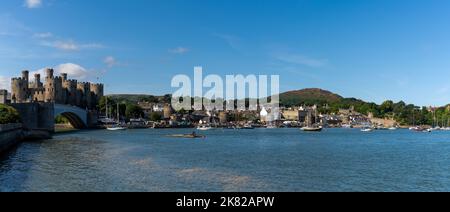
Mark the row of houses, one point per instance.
(298, 116)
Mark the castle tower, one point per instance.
(36, 84)
(53, 88)
(25, 76)
(70, 88)
(37, 81)
(19, 90)
(64, 76)
(49, 73)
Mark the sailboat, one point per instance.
(117, 126)
(310, 127)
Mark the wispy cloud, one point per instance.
(9, 26)
(43, 35)
(70, 45)
(110, 61)
(231, 40)
(179, 50)
(32, 4)
(444, 90)
(301, 60)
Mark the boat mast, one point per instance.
(106, 107)
(118, 113)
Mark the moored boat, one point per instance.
(187, 136)
(116, 128)
(248, 127)
(203, 128)
(312, 129)
(366, 130)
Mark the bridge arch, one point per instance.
(74, 120)
(76, 116)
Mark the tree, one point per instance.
(112, 105)
(8, 115)
(387, 107)
(61, 120)
(155, 116)
(133, 111)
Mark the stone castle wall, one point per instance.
(55, 89)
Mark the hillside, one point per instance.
(135, 98)
(309, 96)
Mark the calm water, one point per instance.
(231, 160)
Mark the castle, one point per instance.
(56, 89)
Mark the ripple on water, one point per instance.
(236, 160)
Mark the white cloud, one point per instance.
(71, 45)
(232, 41)
(66, 45)
(110, 61)
(302, 60)
(179, 50)
(31, 4)
(73, 71)
(43, 35)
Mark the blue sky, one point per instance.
(372, 49)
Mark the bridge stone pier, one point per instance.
(36, 116)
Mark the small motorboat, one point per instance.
(312, 129)
(417, 129)
(116, 128)
(392, 128)
(366, 130)
(204, 128)
(248, 127)
(347, 126)
(193, 135)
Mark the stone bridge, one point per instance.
(41, 116)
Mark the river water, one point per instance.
(231, 160)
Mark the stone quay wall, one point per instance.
(10, 135)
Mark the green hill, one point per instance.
(309, 96)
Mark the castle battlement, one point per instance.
(71, 81)
(58, 89)
(18, 79)
(83, 83)
(97, 86)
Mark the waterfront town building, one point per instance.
(151, 107)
